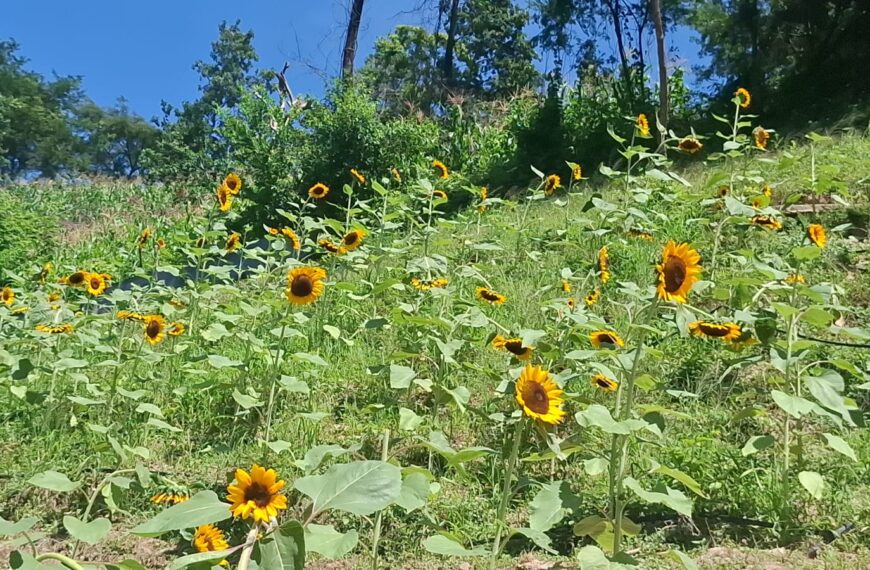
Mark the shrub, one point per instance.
(24, 234)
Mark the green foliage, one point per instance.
(25, 235)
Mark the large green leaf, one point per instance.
(545, 510)
(201, 557)
(756, 443)
(91, 532)
(598, 416)
(19, 560)
(54, 481)
(415, 491)
(360, 488)
(282, 549)
(325, 540)
(538, 537)
(8, 528)
(813, 483)
(203, 508)
(837, 443)
(671, 498)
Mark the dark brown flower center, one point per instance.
(259, 494)
(489, 295)
(302, 286)
(76, 278)
(710, 329)
(515, 346)
(602, 383)
(675, 273)
(95, 283)
(231, 184)
(153, 329)
(535, 398)
(606, 338)
(351, 238)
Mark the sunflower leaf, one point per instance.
(359, 488)
(203, 508)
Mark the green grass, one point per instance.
(379, 319)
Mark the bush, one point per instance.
(24, 235)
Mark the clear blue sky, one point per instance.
(144, 50)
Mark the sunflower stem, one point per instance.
(248, 550)
(64, 560)
(376, 536)
(274, 375)
(620, 446)
(519, 431)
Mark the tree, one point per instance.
(35, 133)
(114, 139)
(350, 40)
(663, 68)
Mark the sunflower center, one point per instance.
(95, 283)
(302, 286)
(515, 346)
(76, 278)
(153, 329)
(602, 383)
(536, 398)
(607, 338)
(259, 494)
(489, 295)
(675, 273)
(351, 238)
(231, 184)
(713, 330)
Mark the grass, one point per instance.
(210, 415)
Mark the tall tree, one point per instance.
(664, 110)
(450, 45)
(350, 38)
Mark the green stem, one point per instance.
(385, 454)
(248, 550)
(68, 562)
(519, 431)
(274, 375)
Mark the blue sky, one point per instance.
(144, 50)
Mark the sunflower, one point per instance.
(640, 234)
(233, 183)
(758, 202)
(744, 98)
(817, 235)
(358, 175)
(539, 396)
(397, 176)
(19, 310)
(7, 296)
(353, 239)
(233, 242)
(144, 236)
(425, 285)
(256, 495)
(572, 303)
(176, 329)
(160, 243)
(722, 191)
(55, 329)
(224, 198)
(576, 173)
(441, 168)
(604, 264)
(767, 222)
(272, 231)
(44, 273)
(318, 191)
(155, 326)
(95, 284)
(294, 239)
(767, 190)
(690, 145)
(170, 497)
(605, 383)
(177, 303)
(439, 195)
(209, 538)
(514, 346)
(551, 184)
(53, 297)
(761, 137)
(490, 296)
(130, 316)
(608, 339)
(484, 195)
(566, 286)
(726, 332)
(678, 271)
(304, 284)
(592, 297)
(795, 278)
(331, 247)
(642, 125)
(75, 279)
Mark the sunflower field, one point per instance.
(661, 364)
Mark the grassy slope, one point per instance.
(704, 443)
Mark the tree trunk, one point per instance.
(447, 63)
(350, 39)
(614, 7)
(664, 102)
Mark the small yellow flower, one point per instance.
(642, 125)
(155, 326)
(294, 239)
(7, 296)
(761, 138)
(566, 286)
(796, 278)
(608, 339)
(304, 284)
(353, 239)
(441, 169)
(490, 296)
(817, 235)
(551, 183)
(272, 231)
(397, 176)
(256, 495)
(176, 329)
(690, 145)
(76, 279)
(358, 175)
(233, 184)
(55, 329)
(592, 297)
(767, 222)
(425, 285)
(725, 332)
(209, 538)
(514, 346)
(439, 195)
(233, 242)
(767, 190)
(224, 198)
(144, 236)
(539, 396)
(577, 173)
(160, 243)
(95, 284)
(677, 272)
(318, 191)
(640, 234)
(604, 264)
(331, 247)
(605, 383)
(744, 97)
